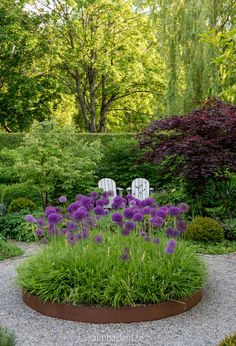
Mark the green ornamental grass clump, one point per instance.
(8, 250)
(6, 338)
(123, 258)
(21, 203)
(204, 229)
(229, 340)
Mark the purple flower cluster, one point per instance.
(130, 215)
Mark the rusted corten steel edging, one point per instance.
(94, 314)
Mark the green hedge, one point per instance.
(13, 140)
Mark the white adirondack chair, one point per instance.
(140, 188)
(107, 184)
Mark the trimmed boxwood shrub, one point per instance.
(21, 203)
(204, 229)
(26, 190)
(229, 340)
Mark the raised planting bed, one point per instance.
(122, 266)
(93, 314)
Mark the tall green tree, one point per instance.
(106, 56)
(27, 89)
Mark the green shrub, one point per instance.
(204, 229)
(2, 187)
(8, 250)
(21, 203)
(15, 227)
(229, 340)
(94, 274)
(26, 190)
(10, 140)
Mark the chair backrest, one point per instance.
(140, 188)
(107, 184)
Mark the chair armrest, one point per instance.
(151, 189)
(128, 189)
(120, 190)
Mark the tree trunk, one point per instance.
(81, 101)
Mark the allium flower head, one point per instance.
(94, 195)
(137, 217)
(171, 232)
(153, 212)
(50, 210)
(73, 206)
(39, 232)
(71, 226)
(156, 240)
(169, 249)
(79, 214)
(105, 194)
(71, 238)
(40, 221)
(184, 208)
(98, 239)
(30, 218)
(146, 210)
(87, 202)
(64, 231)
(161, 213)
(147, 202)
(110, 193)
(174, 211)
(102, 201)
(85, 232)
(142, 233)
(79, 236)
(62, 199)
(99, 210)
(181, 226)
(146, 237)
(128, 213)
(157, 221)
(54, 218)
(129, 226)
(125, 232)
(79, 197)
(90, 222)
(125, 256)
(132, 203)
(118, 202)
(116, 217)
(165, 209)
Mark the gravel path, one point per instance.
(204, 325)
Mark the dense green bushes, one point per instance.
(204, 229)
(21, 203)
(26, 190)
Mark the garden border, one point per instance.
(94, 314)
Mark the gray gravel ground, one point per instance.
(204, 325)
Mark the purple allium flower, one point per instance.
(73, 206)
(147, 202)
(118, 203)
(161, 213)
(79, 214)
(184, 208)
(85, 232)
(105, 194)
(129, 197)
(116, 217)
(39, 232)
(51, 229)
(181, 226)
(106, 211)
(71, 226)
(110, 193)
(146, 210)
(64, 231)
(30, 218)
(94, 195)
(129, 226)
(99, 210)
(132, 203)
(40, 221)
(79, 197)
(174, 211)
(98, 239)
(157, 221)
(138, 217)
(156, 240)
(128, 213)
(90, 222)
(71, 238)
(125, 232)
(165, 209)
(153, 212)
(125, 256)
(79, 236)
(146, 237)
(87, 202)
(62, 199)
(102, 201)
(54, 218)
(169, 249)
(142, 233)
(171, 232)
(49, 210)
